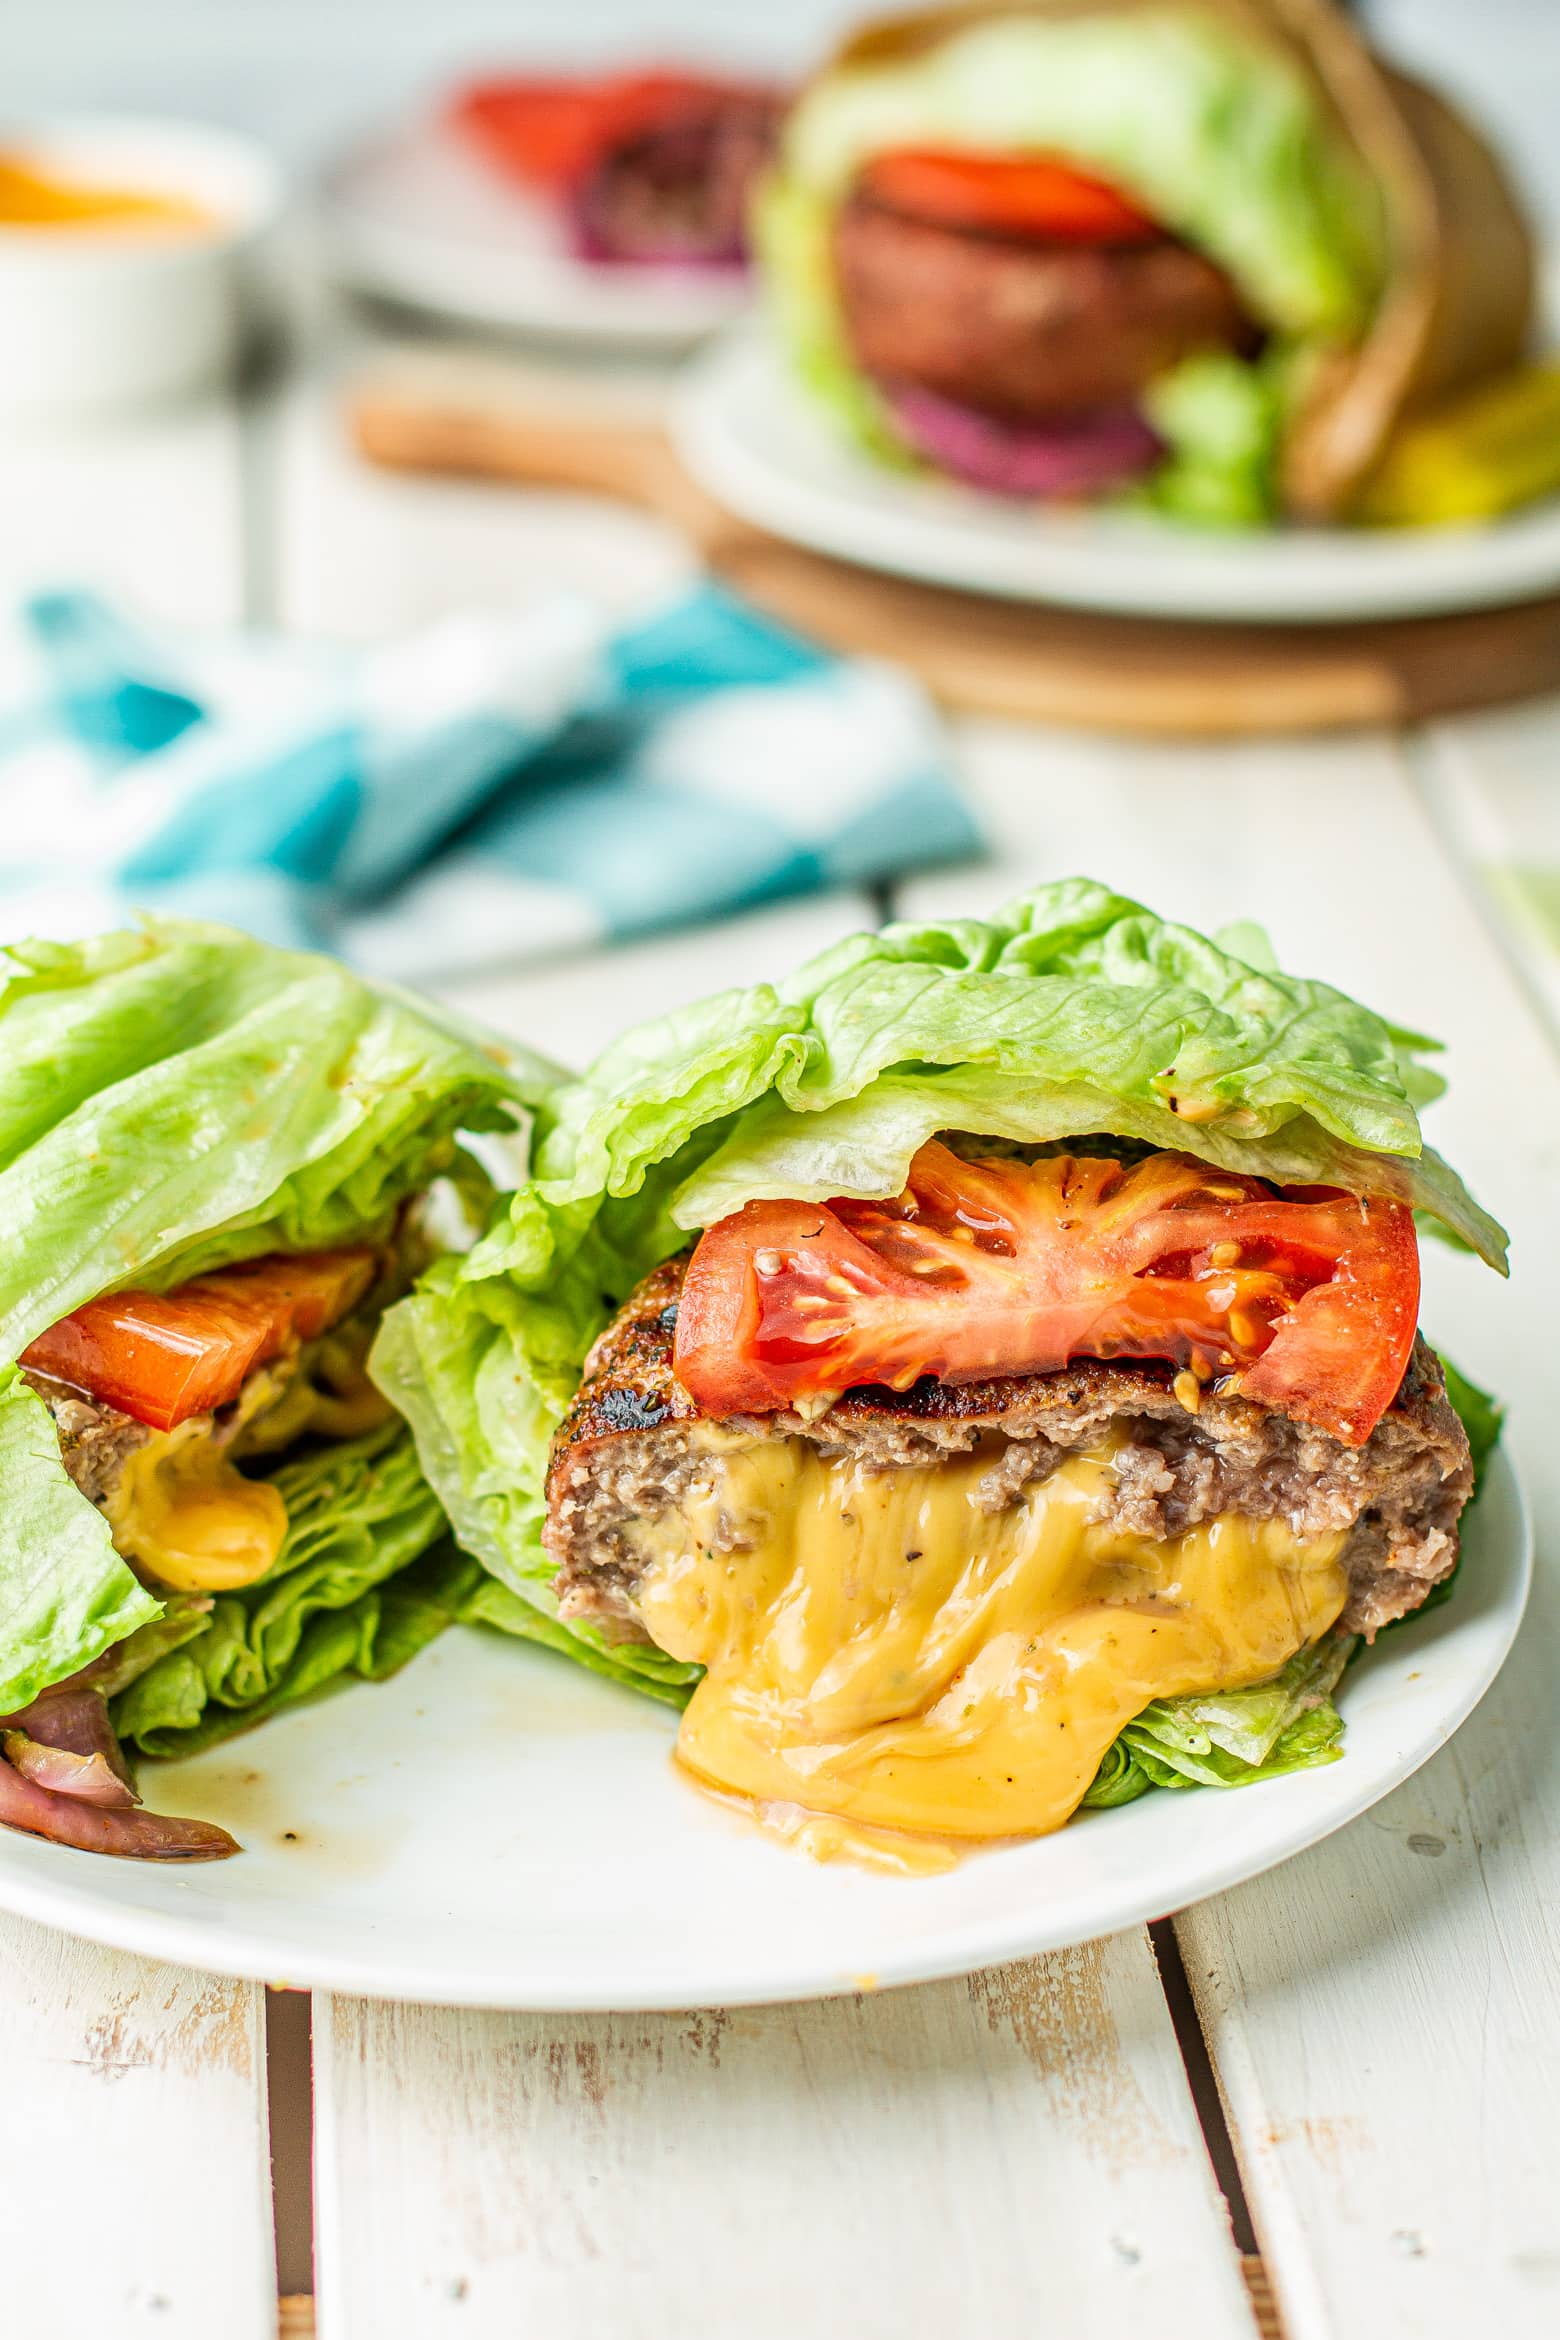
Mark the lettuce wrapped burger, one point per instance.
(214, 1159)
(1213, 250)
(983, 1370)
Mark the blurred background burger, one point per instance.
(1213, 249)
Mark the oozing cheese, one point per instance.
(188, 1517)
(182, 1511)
(882, 1649)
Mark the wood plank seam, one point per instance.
(1263, 2304)
(1203, 2081)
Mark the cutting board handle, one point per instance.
(595, 446)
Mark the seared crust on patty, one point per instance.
(1029, 331)
(625, 1452)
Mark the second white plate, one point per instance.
(758, 445)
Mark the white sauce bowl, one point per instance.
(103, 315)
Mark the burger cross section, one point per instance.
(1068, 1457)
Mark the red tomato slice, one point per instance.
(1009, 194)
(549, 134)
(163, 1356)
(1306, 1302)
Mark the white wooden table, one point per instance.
(1351, 2064)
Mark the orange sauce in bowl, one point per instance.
(33, 198)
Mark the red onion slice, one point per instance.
(134, 1835)
(88, 1777)
(63, 1776)
(1025, 459)
(72, 1715)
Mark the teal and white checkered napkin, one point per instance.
(494, 787)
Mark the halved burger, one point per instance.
(216, 1168)
(1213, 254)
(985, 1370)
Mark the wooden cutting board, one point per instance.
(550, 426)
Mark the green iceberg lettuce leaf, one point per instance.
(1221, 419)
(65, 1594)
(173, 1099)
(1234, 1739)
(1073, 1012)
(182, 1097)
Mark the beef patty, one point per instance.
(1027, 331)
(96, 1440)
(628, 1449)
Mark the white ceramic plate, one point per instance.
(414, 217)
(759, 446)
(497, 1828)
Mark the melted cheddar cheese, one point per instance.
(183, 1513)
(884, 1654)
